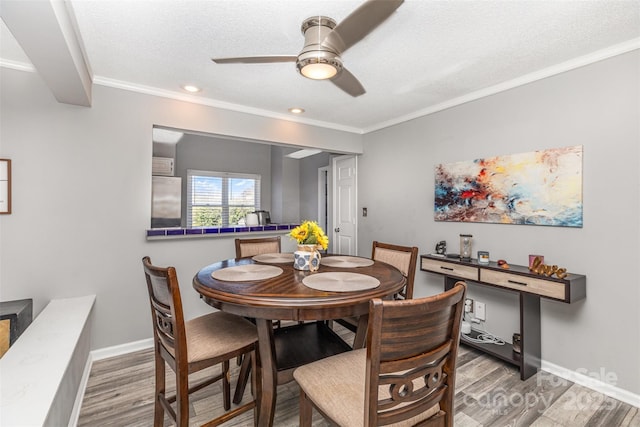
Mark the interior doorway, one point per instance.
(345, 185)
(324, 198)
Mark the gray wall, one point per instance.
(82, 199)
(309, 184)
(285, 182)
(223, 155)
(596, 106)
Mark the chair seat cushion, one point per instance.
(216, 334)
(336, 385)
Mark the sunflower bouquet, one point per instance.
(310, 233)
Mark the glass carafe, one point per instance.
(465, 247)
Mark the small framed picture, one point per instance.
(5, 186)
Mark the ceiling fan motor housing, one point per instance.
(315, 30)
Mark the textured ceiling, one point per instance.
(426, 56)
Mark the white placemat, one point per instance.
(274, 258)
(337, 281)
(247, 272)
(346, 261)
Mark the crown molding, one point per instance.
(569, 65)
(104, 81)
(619, 49)
(17, 65)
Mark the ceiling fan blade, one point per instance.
(359, 23)
(348, 83)
(256, 59)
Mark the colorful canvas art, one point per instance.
(538, 188)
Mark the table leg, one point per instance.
(269, 373)
(361, 332)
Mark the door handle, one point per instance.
(337, 229)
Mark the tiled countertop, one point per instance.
(165, 233)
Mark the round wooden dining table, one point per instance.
(285, 296)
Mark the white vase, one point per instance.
(307, 258)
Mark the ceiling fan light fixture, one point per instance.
(319, 65)
(318, 71)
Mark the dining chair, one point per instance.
(191, 346)
(404, 377)
(404, 258)
(246, 248)
(250, 247)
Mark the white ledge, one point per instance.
(41, 372)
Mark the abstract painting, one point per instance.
(537, 188)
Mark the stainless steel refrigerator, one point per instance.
(166, 196)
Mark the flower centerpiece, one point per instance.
(310, 233)
(310, 238)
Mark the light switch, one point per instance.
(364, 211)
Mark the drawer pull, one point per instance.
(517, 283)
(446, 268)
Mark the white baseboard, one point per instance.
(119, 350)
(595, 384)
(75, 413)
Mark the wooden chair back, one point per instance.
(213, 339)
(166, 312)
(250, 247)
(404, 258)
(411, 357)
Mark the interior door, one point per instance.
(345, 205)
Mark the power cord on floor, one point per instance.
(483, 337)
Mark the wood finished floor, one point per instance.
(488, 393)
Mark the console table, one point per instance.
(530, 288)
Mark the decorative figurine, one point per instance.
(539, 267)
(441, 247)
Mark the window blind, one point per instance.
(219, 199)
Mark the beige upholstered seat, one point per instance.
(412, 342)
(191, 346)
(404, 258)
(250, 247)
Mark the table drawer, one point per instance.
(532, 285)
(450, 269)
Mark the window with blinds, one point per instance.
(220, 199)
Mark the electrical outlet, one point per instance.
(468, 303)
(480, 311)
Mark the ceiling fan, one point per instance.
(325, 41)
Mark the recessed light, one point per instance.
(191, 88)
(296, 110)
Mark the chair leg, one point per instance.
(158, 410)
(256, 386)
(243, 378)
(226, 385)
(306, 410)
(182, 398)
